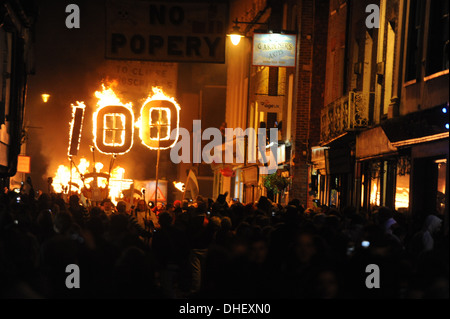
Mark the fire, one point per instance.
(145, 119)
(66, 179)
(82, 106)
(108, 98)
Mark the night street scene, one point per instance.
(224, 155)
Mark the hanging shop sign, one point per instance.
(274, 49)
(166, 31)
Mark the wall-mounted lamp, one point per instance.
(236, 34)
(45, 97)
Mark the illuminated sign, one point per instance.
(274, 49)
(23, 164)
(113, 127)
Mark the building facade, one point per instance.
(384, 125)
(16, 63)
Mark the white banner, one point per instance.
(166, 31)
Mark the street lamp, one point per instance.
(45, 97)
(236, 34)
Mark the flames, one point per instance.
(69, 181)
(157, 94)
(82, 106)
(84, 177)
(107, 97)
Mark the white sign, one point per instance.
(271, 104)
(274, 49)
(166, 31)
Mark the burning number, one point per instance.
(76, 127)
(159, 116)
(113, 128)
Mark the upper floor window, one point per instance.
(416, 9)
(438, 40)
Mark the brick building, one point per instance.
(384, 125)
(16, 63)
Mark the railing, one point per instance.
(347, 113)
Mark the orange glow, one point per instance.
(117, 181)
(45, 97)
(402, 197)
(374, 194)
(80, 105)
(158, 100)
(179, 186)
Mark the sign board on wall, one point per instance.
(23, 164)
(268, 103)
(136, 78)
(274, 49)
(166, 31)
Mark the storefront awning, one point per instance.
(418, 127)
(373, 143)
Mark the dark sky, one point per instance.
(67, 66)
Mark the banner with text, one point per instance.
(166, 31)
(136, 78)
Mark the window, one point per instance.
(389, 69)
(402, 184)
(159, 121)
(114, 129)
(438, 39)
(414, 46)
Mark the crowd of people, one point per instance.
(216, 249)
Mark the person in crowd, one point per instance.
(214, 249)
(108, 207)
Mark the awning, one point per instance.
(373, 143)
(418, 127)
